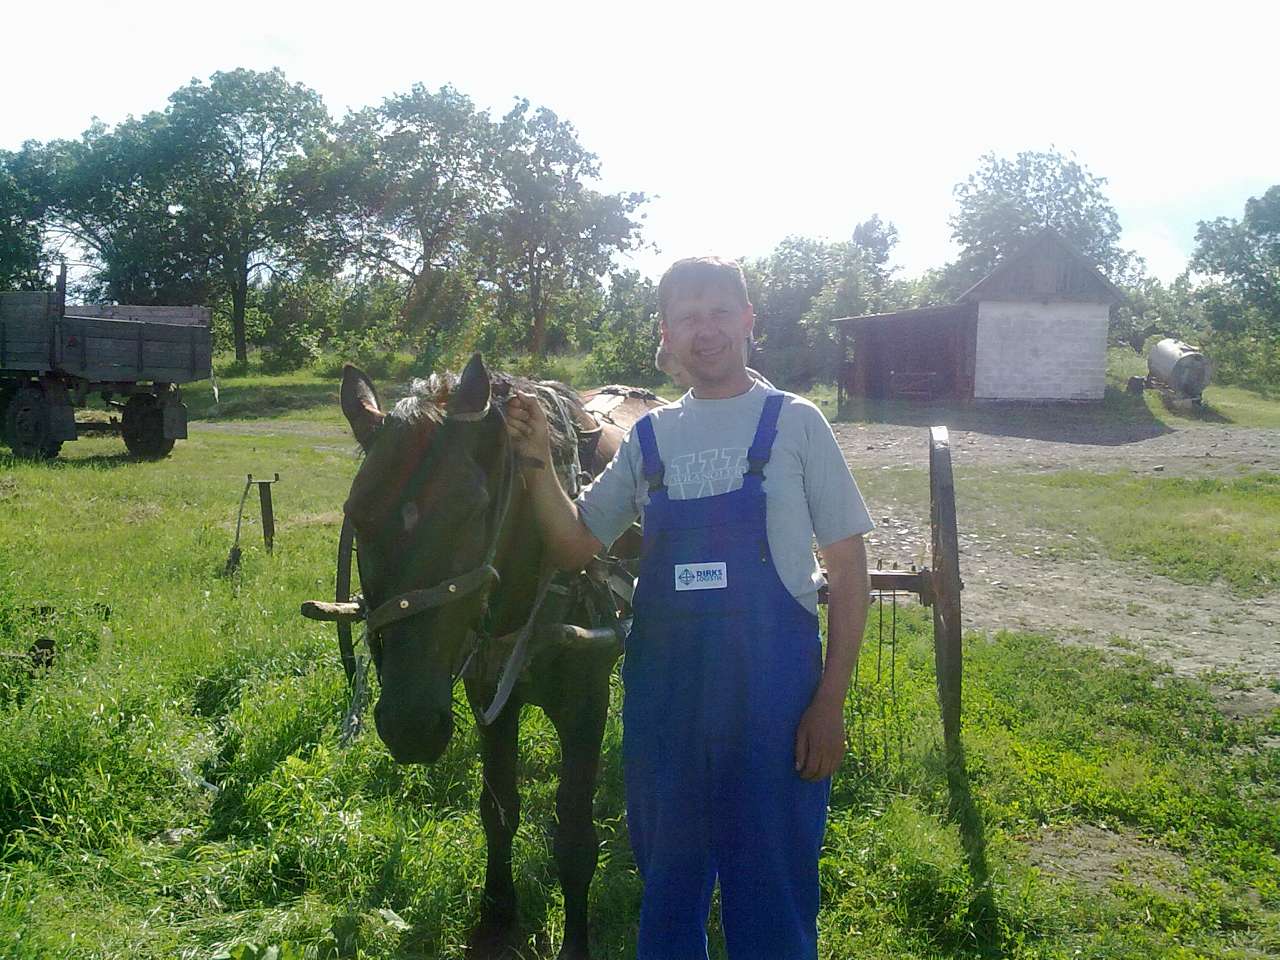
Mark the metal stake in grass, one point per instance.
(268, 520)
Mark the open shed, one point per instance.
(1035, 328)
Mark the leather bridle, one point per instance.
(479, 579)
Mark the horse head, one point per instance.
(428, 506)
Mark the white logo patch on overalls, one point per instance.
(701, 576)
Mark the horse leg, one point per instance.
(500, 814)
(576, 847)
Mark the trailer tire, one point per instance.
(28, 428)
(142, 427)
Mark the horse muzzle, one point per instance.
(413, 735)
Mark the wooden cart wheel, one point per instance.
(342, 593)
(946, 583)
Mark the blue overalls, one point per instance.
(721, 663)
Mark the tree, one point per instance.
(1244, 256)
(227, 146)
(22, 263)
(105, 199)
(400, 190)
(1005, 202)
(626, 336)
(1153, 308)
(805, 283)
(551, 234)
(1240, 260)
(184, 204)
(875, 239)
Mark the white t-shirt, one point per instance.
(809, 492)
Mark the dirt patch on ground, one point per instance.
(1195, 451)
(1095, 858)
(1011, 583)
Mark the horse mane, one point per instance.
(428, 398)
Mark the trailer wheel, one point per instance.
(27, 426)
(142, 426)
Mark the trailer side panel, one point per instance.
(102, 350)
(26, 332)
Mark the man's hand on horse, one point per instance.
(527, 427)
(820, 739)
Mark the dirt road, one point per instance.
(1195, 629)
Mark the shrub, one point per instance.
(1246, 359)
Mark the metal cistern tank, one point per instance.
(1181, 366)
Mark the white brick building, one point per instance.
(1035, 328)
(1042, 325)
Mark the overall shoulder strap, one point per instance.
(766, 431)
(654, 471)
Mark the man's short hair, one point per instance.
(699, 273)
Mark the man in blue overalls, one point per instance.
(732, 722)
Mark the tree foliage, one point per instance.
(1240, 260)
(487, 223)
(1244, 256)
(400, 190)
(1005, 202)
(183, 204)
(551, 234)
(229, 143)
(1153, 308)
(22, 262)
(105, 198)
(626, 336)
(805, 283)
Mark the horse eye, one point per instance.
(409, 514)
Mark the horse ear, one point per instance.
(360, 404)
(471, 395)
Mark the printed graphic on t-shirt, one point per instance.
(706, 473)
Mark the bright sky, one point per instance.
(744, 122)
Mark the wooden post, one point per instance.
(61, 291)
(946, 584)
(840, 369)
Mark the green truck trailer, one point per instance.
(54, 356)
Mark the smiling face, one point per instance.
(705, 327)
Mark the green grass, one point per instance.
(1222, 404)
(1244, 407)
(170, 675)
(1198, 531)
(301, 394)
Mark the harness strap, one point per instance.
(654, 470)
(515, 664)
(505, 492)
(766, 432)
(418, 601)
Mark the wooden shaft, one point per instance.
(330, 612)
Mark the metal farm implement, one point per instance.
(606, 588)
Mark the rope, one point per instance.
(353, 722)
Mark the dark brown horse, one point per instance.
(448, 551)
